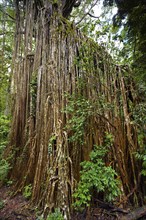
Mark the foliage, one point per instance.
(4, 167)
(1, 204)
(4, 130)
(125, 40)
(6, 48)
(4, 127)
(129, 12)
(79, 109)
(143, 172)
(56, 215)
(142, 156)
(27, 191)
(96, 176)
(139, 115)
(139, 110)
(52, 140)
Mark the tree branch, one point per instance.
(92, 6)
(93, 16)
(7, 32)
(7, 14)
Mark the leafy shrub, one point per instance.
(4, 127)
(57, 215)
(4, 130)
(79, 110)
(96, 175)
(4, 167)
(142, 156)
(2, 204)
(143, 172)
(27, 191)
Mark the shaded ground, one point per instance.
(96, 214)
(13, 208)
(16, 208)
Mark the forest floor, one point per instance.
(12, 208)
(17, 208)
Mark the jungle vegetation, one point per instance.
(73, 109)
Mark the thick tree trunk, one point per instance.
(49, 61)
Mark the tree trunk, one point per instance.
(49, 61)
